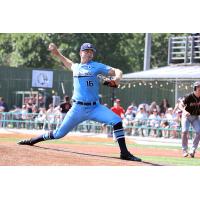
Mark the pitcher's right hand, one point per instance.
(53, 49)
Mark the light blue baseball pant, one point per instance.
(79, 113)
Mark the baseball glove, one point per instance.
(110, 83)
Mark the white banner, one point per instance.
(43, 79)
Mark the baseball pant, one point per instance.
(195, 122)
(79, 113)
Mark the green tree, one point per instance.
(121, 50)
(30, 50)
(5, 49)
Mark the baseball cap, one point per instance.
(86, 46)
(197, 84)
(117, 100)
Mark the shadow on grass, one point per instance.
(89, 154)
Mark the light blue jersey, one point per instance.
(86, 81)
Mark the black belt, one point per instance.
(85, 103)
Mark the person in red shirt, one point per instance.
(118, 109)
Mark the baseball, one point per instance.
(52, 47)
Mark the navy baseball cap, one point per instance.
(86, 46)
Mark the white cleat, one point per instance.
(185, 154)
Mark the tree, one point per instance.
(121, 50)
(5, 49)
(30, 50)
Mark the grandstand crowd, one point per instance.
(155, 120)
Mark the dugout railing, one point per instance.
(33, 121)
(145, 127)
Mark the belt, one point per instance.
(85, 103)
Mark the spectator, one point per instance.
(153, 106)
(58, 117)
(128, 121)
(164, 124)
(3, 108)
(140, 120)
(1, 114)
(55, 100)
(41, 101)
(164, 105)
(24, 115)
(3, 105)
(35, 111)
(176, 108)
(33, 115)
(154, 123)
(50, 117)
(65, 106)
(118, 109)
(177, 122)
(40, 120)
(145, 106)
(29, 106)
(16, 115)
(170, 116)
(133, 109)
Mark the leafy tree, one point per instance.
(30, 50)
(5, 49)
(121, 50)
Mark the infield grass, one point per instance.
(172, 161)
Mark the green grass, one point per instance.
(81, 142)
(172, 161)
(63, 142)
(9, 139)
(155, 146)
(160, 160)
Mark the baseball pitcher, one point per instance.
(85, 98)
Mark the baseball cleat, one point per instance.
(25, 142)
(129, 156)
(192, 153)
(185, 154)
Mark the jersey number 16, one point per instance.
(90, 83)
